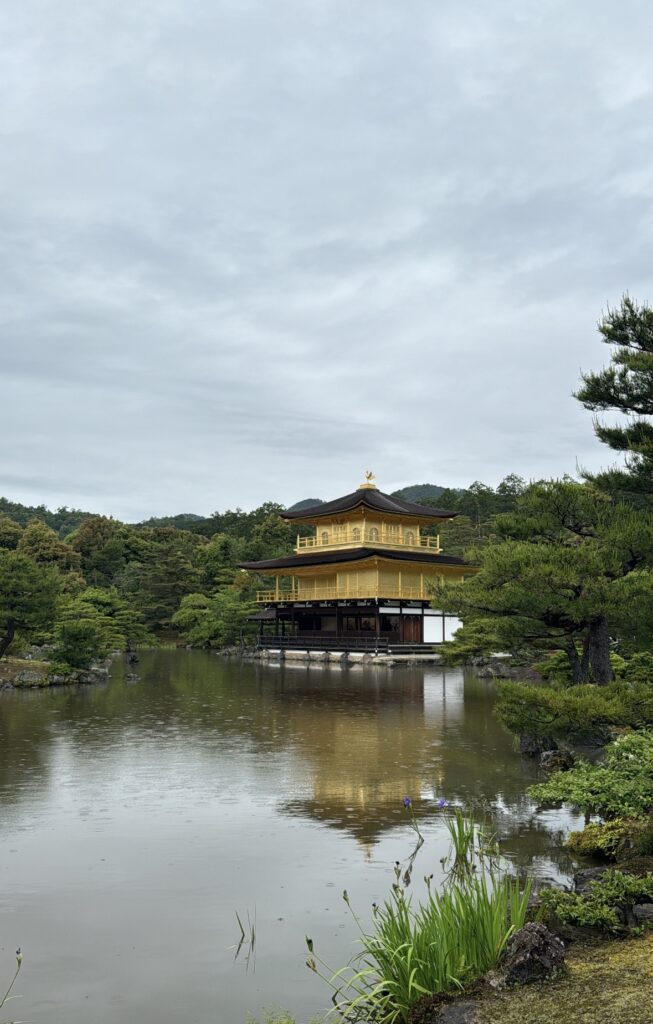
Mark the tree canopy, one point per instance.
(565, 571)
(28, 595)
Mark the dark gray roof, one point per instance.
(371, 498)
(266, 615)
(353, 555)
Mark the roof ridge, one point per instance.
(372, 498)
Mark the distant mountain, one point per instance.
(305, 503)
(413, 492)
(65, 520)
(418, 492)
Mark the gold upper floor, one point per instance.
(364, 532)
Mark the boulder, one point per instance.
(462, 1012)
(556, 760)
(583, 878)
(433, 1010)
(532, 954)
(643, 913)
(535, 746)
(317, 656)
(29, 677)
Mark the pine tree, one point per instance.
(569, 574)
(625, 386)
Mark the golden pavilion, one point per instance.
(361, 580)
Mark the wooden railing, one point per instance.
(324, 642)
(377, 537)
(343, 592)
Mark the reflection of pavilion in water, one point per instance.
(361, 762)
(367, 740)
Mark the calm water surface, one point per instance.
(137, 818)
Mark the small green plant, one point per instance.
(599, 907)
(440, 945)
(622, 786)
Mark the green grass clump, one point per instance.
(439, 945)
(599, 906)
(622, 786)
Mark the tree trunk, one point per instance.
(8, 637)
(599, 650)
(579, 666)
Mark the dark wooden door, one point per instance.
(411, 629)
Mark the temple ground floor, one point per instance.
(376, 624)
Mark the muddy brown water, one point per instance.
(137, 818)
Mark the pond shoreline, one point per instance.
(31, 673)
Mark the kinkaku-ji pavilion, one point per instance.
(361, 580)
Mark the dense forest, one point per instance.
(563, 565)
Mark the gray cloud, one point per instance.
(249, 249)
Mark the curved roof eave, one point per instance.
(353, 555)
(370, 498)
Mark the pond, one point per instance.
(138, 818)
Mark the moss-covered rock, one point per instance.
(611, 983)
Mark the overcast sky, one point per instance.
(251, 248)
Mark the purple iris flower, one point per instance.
(441, 803)
(406, 802)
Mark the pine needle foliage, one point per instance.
(625, 386)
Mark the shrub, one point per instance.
(599, 907)
(576, 712)
(639, 668)
(622, 786)
(611, 840)
(80, 642)
(556, 667)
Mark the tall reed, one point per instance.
(439, 945)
